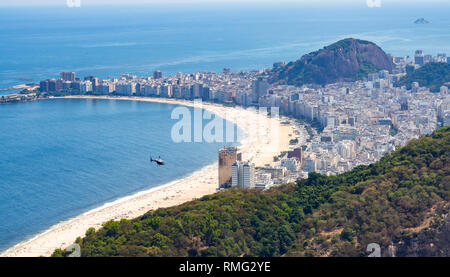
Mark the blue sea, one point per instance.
(62, 157)
(59, 158)
(38, 42)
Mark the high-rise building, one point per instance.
(43, 86)
(197, 90)
(138, 89)
(86, 86)
(427, 59)
(259, 89)
(167, 91)
(235, 174)
(125, 88)
(243, 175)
(52, 85)
(75, 86)
(419, 58)
(227, 156)
(59, 85)
(309, 165)
(247, 175)
(157, 74)
(93, 80)
(205, 94)
(441, 57)
(404, 103)
(66, 85)
(67, 76)
(346, 149)
(105, 88)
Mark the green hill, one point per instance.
(431, 75)
(346, 60)
(389, 202)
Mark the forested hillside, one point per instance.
(390, 202)
(431, 75)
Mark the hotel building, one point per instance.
(227, 156)
(243, 175)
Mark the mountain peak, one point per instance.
(347, 60)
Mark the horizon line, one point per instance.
(341, 3)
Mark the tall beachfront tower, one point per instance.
(227, 156)
(243, 175)
(259, 89)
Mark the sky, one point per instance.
(372, 3)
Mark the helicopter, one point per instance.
(158, 161)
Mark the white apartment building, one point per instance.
(86, 86)
(243, 175)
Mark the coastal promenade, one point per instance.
(258, 146)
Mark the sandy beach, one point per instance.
(265, 138)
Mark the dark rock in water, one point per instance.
(421, 21)
(344, 61)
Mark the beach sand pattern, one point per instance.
(258, 146)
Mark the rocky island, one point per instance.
(421, 21)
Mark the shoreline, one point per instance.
(258, 149)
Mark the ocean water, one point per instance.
(59, 158)
(37, 43)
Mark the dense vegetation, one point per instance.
(432, 75)
(404, 193)
(385, 202)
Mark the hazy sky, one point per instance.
(109, 2)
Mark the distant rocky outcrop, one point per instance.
(344, 61)
(421, 21)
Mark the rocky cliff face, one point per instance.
(346, 60)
